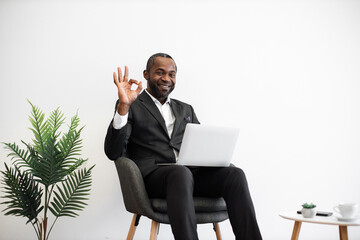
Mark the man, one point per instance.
(148, 128)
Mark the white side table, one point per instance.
(299, 219)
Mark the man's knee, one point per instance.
(180, 172)
(180, 176)
(235, 176)
(236, 171)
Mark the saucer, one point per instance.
(344, 219)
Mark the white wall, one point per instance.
(285, 72)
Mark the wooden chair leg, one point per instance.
(154, 230)
(134, 223)
(217, 231)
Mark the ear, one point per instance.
(146, 75)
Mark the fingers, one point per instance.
(133, 81)
(114, 76)
(119, 74)
(119, 78)
(139, 88)
(126, 75)
(139, 85)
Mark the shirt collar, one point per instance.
(157, 101)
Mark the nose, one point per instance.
(165, 78)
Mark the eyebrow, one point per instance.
(162, 69)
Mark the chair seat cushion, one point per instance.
(201, 204)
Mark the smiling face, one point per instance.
(161, 78)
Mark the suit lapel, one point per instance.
(149, 104)
(175, 107)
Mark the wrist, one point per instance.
(123, 109)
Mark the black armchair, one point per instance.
(136, 200)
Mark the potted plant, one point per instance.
(308, 210)
(46, 175)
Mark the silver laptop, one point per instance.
(207, 146)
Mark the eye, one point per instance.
(159, 73)
(172, 75)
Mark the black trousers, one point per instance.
(178, 184)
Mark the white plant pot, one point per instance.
(308, 212)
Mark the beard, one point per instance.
(159, 92)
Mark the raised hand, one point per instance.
(126, 95)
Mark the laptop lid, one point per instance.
(210, 146)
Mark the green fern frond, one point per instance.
(39, 127)
(75, 165)
(23, 194)
(56, 119)
(70, 147)
(70, 143)
(22, 158)
(54, 161)
(71, 196)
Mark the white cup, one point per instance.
(347, 210)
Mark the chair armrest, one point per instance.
(133, 189)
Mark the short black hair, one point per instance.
(151, 60)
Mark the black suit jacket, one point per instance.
(145, 139)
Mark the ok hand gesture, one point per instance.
(126, 95)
